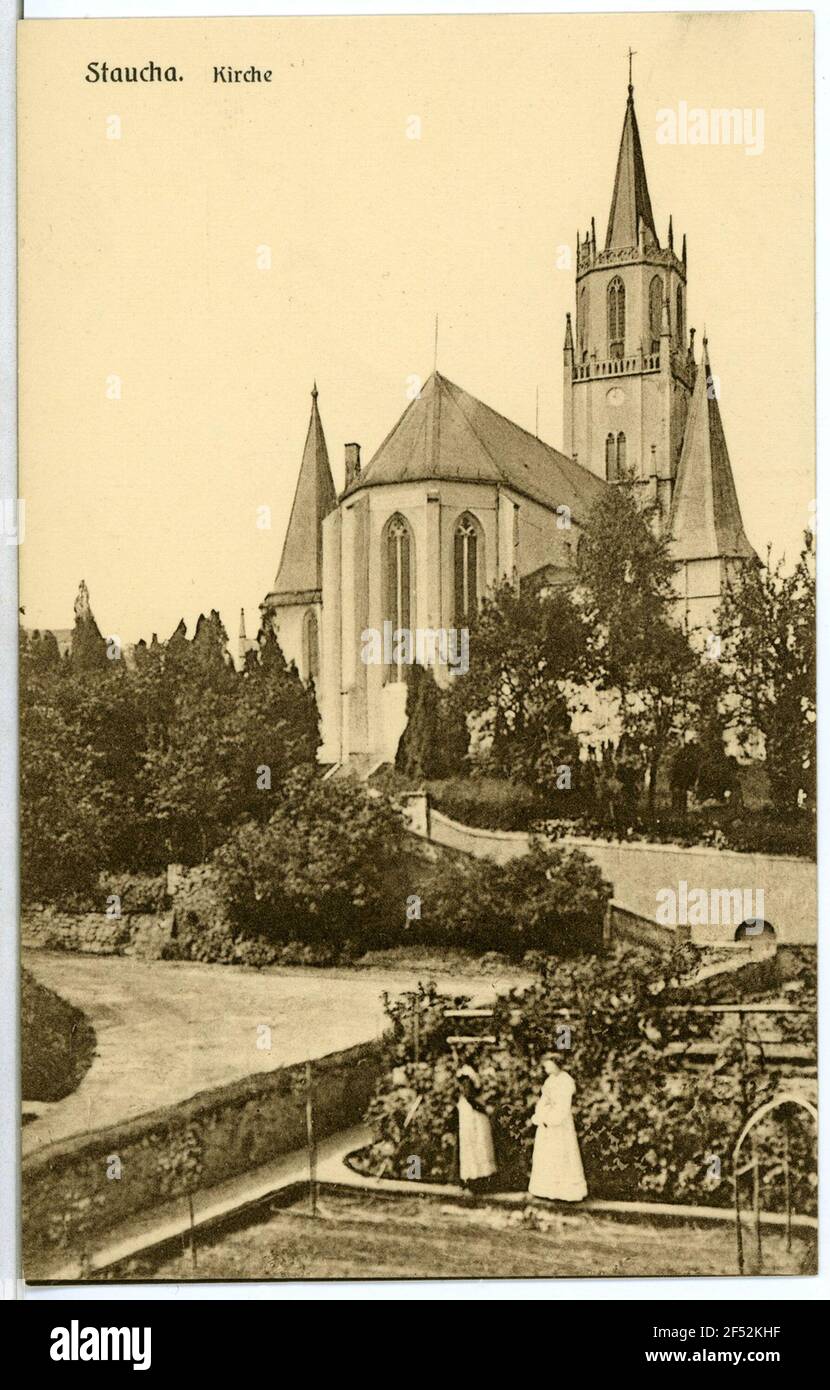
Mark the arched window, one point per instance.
(679, 317)
(753, 929)
(655, 312)
(616, 318)
(311, 646)
(610, 458)
(398, 590)
(620, 455)
(466, 568)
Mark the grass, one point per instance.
(57, 1043)
(368, 1236)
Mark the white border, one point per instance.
(687, 1290)
(9, 949)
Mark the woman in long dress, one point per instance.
(476, 1153)
(557, 1172)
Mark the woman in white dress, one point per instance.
(557, 1166)
(476, 1154)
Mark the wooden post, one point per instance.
(739, 1235)
(312, 1145)
(756, 1207)
(787, 1189)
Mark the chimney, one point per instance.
(352, 464)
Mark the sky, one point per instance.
(183, 285)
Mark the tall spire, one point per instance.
(301, 566)
(705, 516)
(630, 201)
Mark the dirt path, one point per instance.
(169, 1029)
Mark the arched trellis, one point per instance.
(783, 1098)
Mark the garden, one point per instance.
(664, 1080)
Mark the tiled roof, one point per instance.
(448, 435)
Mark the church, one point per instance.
(457, 499)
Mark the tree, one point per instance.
(768, 642)
(89, 650)
(224, 740)
(636, 647)
(62, 834)
(524, 649)
(127, 764)
(434, 742)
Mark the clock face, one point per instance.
(616, 395)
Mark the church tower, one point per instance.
(708, 536)
(628, 365)
(294, 605)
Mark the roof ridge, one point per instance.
(514, 424)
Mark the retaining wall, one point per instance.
(639, 870)
(72, 1192)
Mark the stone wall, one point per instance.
(639, 870)
(72, 1197)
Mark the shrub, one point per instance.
(321, 870)
(491, 803)
(143, 893)
(552, 899)
(220, 946)
(57, 1042)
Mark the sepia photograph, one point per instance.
(417, 649)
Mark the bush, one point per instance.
(220, 946)
(718, 827)
(491, 803)
(322, 870)
(57, 1043)
(551, 899)
(141, 893)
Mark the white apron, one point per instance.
(557, 1167)
(476, 1155)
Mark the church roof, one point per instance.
(445, 434)
(301, 566)
(630, 200)
(705, 515)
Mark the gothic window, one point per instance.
(655, 312)
(616, 318)
(620, 455)
(311, 646)
(398, 588)
(580, 322)
(679, 317)
(466, 569)
(610, 458)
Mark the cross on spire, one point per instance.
(632, 53)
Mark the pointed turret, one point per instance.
(705, 518)
(630, 201)
(301, 566)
